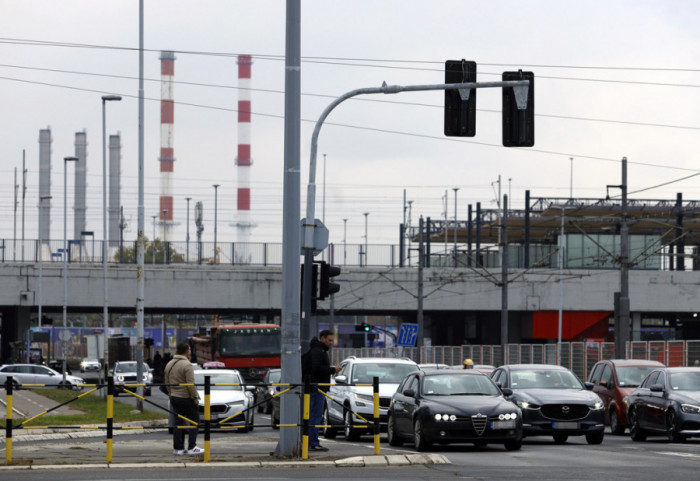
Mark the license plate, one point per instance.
(565, 425)
(503, 424)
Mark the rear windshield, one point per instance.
(685, 381)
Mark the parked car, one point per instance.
(125, 373)
(57, 365)
(226, 399)
(667, 403)
(450, 406)
(90, 365)
(434, 366)
(351, 398)
(37, 374)
(554, 402)
(613, 380)
(482, 368)
(264, 393)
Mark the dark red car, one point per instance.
(613, 380)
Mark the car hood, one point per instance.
(223, 397)
(481, 404)
(687, 396)
(385, 390)
(74, 379)
(555, 396)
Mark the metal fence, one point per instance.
(577, 356)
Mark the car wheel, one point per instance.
(419, 440)
(560, 438)
(351, 434)
(328, 433)
(595, 438)
(251, 422)
(636, 432)
(616, 426)
(513, 445)
(672, 428)
(65, 385)
(392, 436)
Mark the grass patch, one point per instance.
(94, 410)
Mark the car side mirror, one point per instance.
(589, 385)
(409, 393)
(604, 383)
(507, 391)
(341, 379)
(250, 388)
(657, 388)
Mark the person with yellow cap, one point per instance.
(468, 364)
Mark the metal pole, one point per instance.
(345, 241)
(624, 271)
(454, 251)
(153, 253)
(140, 242)
(216, 208)
(571, 178)
(504, 281)
(41, 259)
(65, 259)
(24, 194)
(366, 245)
(419, 314)
(165, 234)
(561, 286)
(290, 441)
(105, 310)
(187, 239)
(14, 230)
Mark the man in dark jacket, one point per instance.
(320, 371)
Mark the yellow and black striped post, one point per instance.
(375, 389)
(207, 417)
(110, 416)
(8, 421)
(305, 422)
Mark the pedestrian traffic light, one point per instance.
(364, 327)
(327, 287)
(460, 105)
(518, 123)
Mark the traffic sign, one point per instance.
(320, 236)
(408, 333)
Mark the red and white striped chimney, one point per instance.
(167, 151)
(243, 159)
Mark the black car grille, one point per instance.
(565, 412)
(479, 422)
(384, 402)
(214, 408)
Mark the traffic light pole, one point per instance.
(308, 327)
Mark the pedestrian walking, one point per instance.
(184, 400)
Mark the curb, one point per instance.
(352, 462)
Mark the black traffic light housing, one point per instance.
(518, 125)
(314, 286)
(326, 287)
(460, 113)
(364, 327)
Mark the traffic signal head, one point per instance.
(364, 327)
(460, 112)
(518, 124)
(326, 286)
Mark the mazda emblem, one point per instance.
(565, 409)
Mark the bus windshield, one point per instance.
(249, 342)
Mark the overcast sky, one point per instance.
(613, 79)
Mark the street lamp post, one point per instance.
(41, 263)
(153, 250)
(105, 314)
(454, 250)
(366, 214)
(65, 258)
(187, 239)
(216, 207)
(165, 234)
(345, 241)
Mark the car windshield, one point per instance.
(544, 379)
(275, 376)
(218, 378)
(685, 381)
(128, 367)
(459, 385)
(387, 372)
(632, 376)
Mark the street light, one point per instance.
(366, 214)
(216, 207)
(165, 234)
(41, 263)
(188, 199)
(454, 250)
(65, 257)
(105, 313)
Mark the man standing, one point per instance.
(184, 400)
(320, 371)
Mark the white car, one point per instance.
(37, 374)
(360, 399)
(125, 373)
(89, 365)
(225, 399)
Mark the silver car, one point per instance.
(125, 373)
(37, 374)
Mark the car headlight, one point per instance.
(235, 403)
(364, 397)
(527, 405)
(507, 416)
(596, 405)
(120, 378)
(271, 391)
(626, 401)
(690, 408)
(445, 417)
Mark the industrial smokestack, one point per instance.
(243, 223)
(80, 187)
(45, 184)
(115, 158)
(167, 150)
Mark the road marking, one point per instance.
(682, 455)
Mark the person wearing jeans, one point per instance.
(184, 400)
(320, 371)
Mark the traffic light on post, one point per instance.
(326, 286)
(364, 327)
(518, 124)
(460, 111)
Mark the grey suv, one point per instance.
(125, 373)
(359, 399)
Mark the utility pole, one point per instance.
(504, 281)
(454, 251)
(24, 194)
(421, 263)
(623, 333)
(122, 226)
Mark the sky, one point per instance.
(613, 79)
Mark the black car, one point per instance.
(448, 406)
(554, 402)
(264, 392)
(667, 403)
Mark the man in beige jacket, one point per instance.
(184, 400)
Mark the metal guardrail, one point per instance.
(11, 385)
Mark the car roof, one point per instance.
(522, 367)
(458, 372)
(682, 369)
(216, 372)
(632, 362)
(387, 360)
